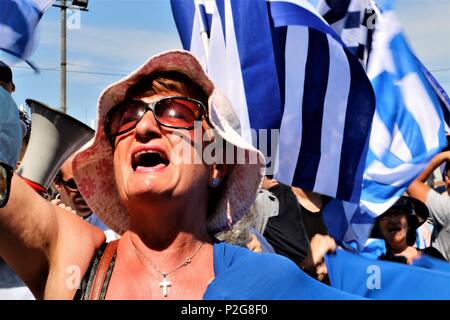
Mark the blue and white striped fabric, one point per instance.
(408, 126)
(18, 21)
(407, 131)
(284, 68)
(353, 21)
(443, 97)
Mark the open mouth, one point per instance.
(149, 159)
(394, 229)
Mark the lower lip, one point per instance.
(158, 168)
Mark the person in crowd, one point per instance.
(71, 199)
(296, 229)
(397, 227)
(438, 204)
(25, 122)
(155, 173)
(247, 231)
(11, 286)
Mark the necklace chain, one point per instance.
(166, 283)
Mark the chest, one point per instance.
(133, 279)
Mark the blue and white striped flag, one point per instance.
(443, 97)
(18, 21)
(284, 68)
(408, 126)
(407, 131)
(353, 21)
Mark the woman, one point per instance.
(142, 176)
(397, 226)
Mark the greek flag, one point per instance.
(284, 68)
(354, 21)
(443, 97)
(407, 130)
(18, 21)
(408, 126)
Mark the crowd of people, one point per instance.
(137, 219)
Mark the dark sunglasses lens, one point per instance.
(3, 184)
(125, 116)
(71, 184)
(178, 112)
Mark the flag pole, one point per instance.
(203, 32)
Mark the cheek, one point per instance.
(119, 174)
(186, 149)
(121, 151)
(405, 225)
(65, 197)
(383, 228)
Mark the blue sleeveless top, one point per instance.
(244, 275)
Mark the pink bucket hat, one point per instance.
(93, 165)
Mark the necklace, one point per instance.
(165, 283)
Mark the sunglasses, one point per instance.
(392, 214)
(70, 184)
(6, 173)
(172, 112)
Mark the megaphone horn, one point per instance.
(55, 136)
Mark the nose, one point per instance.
(147, 127)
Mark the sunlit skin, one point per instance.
(419, 189)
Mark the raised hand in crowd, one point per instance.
(438, 204)
(320, 245)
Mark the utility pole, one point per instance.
(74, 5)
(63, 56)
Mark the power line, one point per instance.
(56, 69)
(95, 67)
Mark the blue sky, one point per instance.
(116, 36)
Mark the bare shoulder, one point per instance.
(70, 258)
(309, 200)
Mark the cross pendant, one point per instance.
(164, 285)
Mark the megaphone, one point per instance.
(55, 136)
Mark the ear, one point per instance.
(218, 173)
(57, 186)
